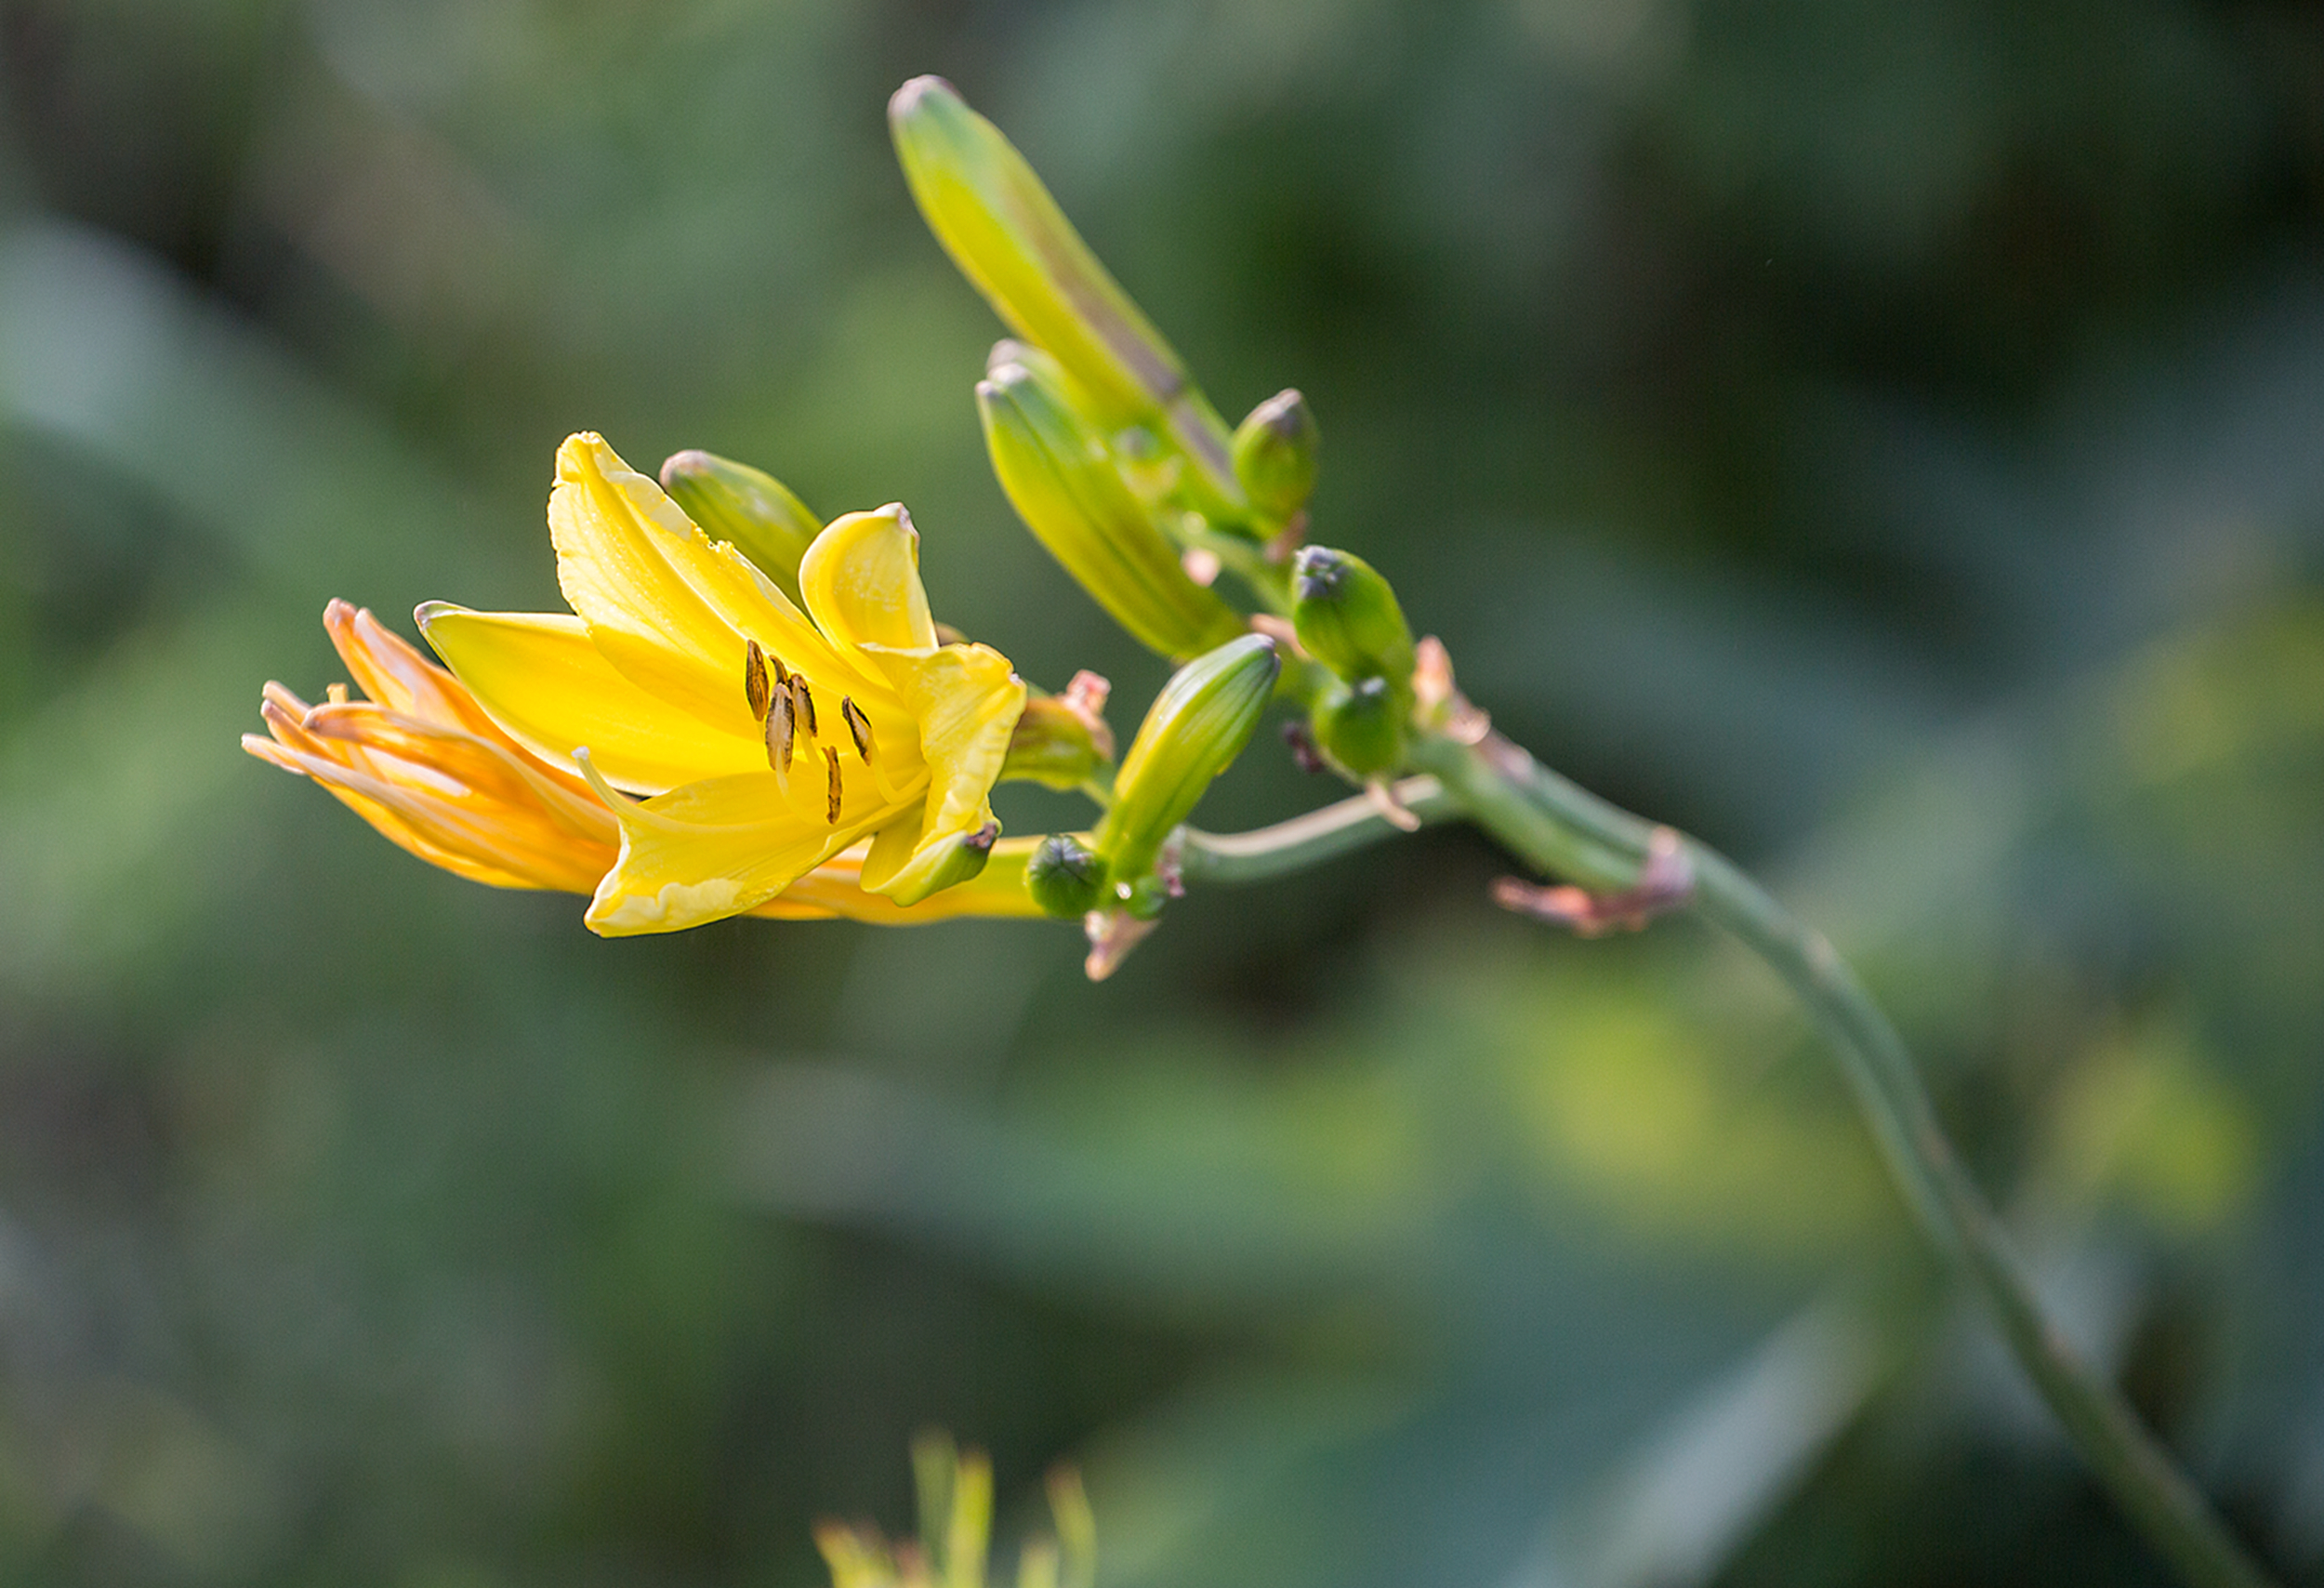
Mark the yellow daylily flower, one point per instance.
(766, 740)
(422, 762)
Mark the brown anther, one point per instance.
(858, 727)
(1665, 881)
(779, 731)
(803, 704)
(755, 689)
(831, 804)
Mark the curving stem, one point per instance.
(1567, 831)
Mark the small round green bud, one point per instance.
(747, 506)
(1274, 454)
(1347, 617)
(1065, 878)
(1360, 725)
(1196, 728)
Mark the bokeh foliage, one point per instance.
(1885, 440)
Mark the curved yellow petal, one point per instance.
(670, 608)
(968, 701)
(548, 687)
(716, 848)
(862, 581)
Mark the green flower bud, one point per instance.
(1062, 741)
(748, 507)
(1347, 617)
(1062, 483)
(1274, 454)
(1360, 725)
(1196, 728)
(1006, 236)
(1066, 877)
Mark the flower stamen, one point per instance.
(779, 733)
(755, 688)
(859, 727)
(803, 704)
(831, 809)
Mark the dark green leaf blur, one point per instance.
(1887, 440)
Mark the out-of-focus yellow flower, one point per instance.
(421, 761)
(955, 1505)
(768, 740)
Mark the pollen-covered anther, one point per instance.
(859, 727)
(831, 803)
(755, 688)
(780, 729)
(802, 704)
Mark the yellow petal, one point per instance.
(862, 581)
(670, 608)
(835, 888)
(968, 702)
(551, 690)
(714, 848)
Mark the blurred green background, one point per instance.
(1889, 440)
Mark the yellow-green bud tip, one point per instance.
(746, 506)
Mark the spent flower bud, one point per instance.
(1360, 725)
(748, 507)
(1193, 731)
(1066, 877)
(1061, 480)
(1062, 741)
(1274, 454)
(1347, 617)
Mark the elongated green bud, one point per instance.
(1347, 617)
(1066, 877)
(1006, 234)
(1193, 731)
(1361, 725)
(1274, 454)
(752, 508)
(1061, 480)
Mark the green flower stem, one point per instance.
(1566, 831)
(1264, 854)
